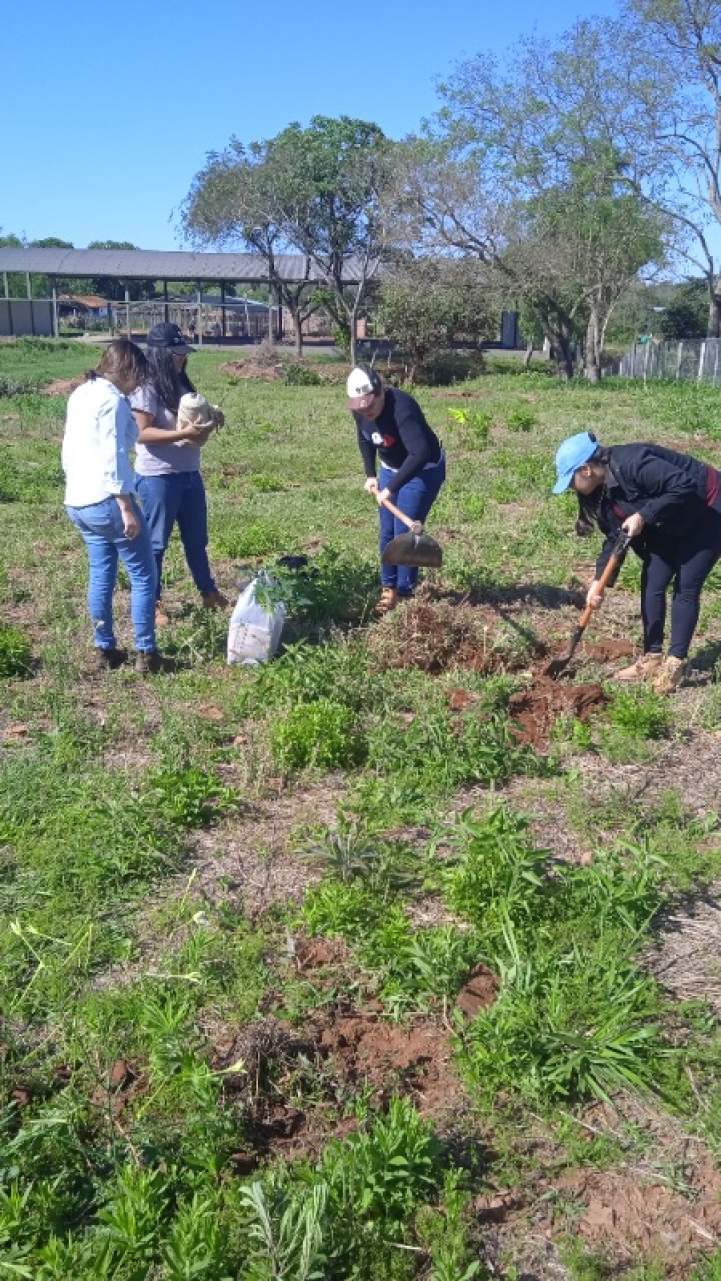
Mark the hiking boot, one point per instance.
(670, 675)
(214, 600)
(644, 669)
(388, 601)
(149, 662)
(106, 660)
(161, 618)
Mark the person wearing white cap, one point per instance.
(669, 504)
(403, 461)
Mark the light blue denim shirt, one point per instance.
(100, 432)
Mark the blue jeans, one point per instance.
(101, 526)
(178, 496)
(415, 499)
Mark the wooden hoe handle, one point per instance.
(415, 525)
(614, 560)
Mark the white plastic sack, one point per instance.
(254, 632)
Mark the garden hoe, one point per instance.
(414, 548)
(559, 665)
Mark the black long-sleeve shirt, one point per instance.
(671, 491)
(399, 436)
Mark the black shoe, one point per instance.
(107, 660)
(149, 662)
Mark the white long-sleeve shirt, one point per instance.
(100, 431)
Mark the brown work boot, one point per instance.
(388, 601)
(148, 662)
(161, 618)
(644, 669)
(106, 660)
(214, 600)
(670, 675)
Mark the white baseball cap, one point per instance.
(362, 385)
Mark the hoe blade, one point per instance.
(413, 549)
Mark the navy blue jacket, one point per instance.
(400, 436)
(669, 490)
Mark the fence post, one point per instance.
(701, 358)
(678, 361)
(645, 357)
(56, 323)
(715, 361)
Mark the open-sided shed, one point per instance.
(30, 315)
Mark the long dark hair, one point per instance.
(601, 456)
(169, 383)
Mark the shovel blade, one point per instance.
(556, 667)
(413, 549)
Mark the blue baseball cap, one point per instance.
(572, 453)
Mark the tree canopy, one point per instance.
(316, 191)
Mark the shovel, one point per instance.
(616, 558)
(414, 548)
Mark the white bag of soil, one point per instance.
(255, 625)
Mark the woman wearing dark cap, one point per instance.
(167, 464)
(669, 505)
(392, 428)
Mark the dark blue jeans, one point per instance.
(101, 526)
(415, 499)
(178, 497)
(688, 561)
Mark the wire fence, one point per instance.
(698, 358)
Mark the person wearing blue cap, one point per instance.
(669, 505)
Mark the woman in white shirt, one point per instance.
(100, 431)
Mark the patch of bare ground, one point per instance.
(684, 956)
(532, 1255)
(61, 386)
(272, 366)
(659, 1204)
(249, 861)
(435, 635)
(346, 1050)
(690, 766)
(548, 824)
(665, 1203)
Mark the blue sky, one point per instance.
(111, 108)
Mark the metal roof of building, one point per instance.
(149, 264)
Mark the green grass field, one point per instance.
(327, 969)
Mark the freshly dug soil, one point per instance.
(438, 635)
(536, 710)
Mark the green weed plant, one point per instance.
(16, 657)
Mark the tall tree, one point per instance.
(678, 44)
(543, 195)
(317, 191)
(232, 201)
(426, 304)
